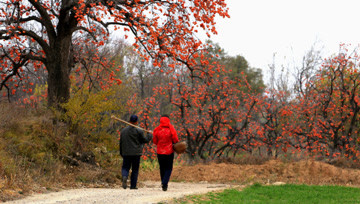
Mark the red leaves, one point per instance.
(118, 81)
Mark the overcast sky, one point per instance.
(259, 28)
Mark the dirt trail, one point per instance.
(150, 192)
(202, 178)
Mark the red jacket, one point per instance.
(164, 136)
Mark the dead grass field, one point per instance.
(301, 172)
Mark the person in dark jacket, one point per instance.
(164, 137)
(132, 141)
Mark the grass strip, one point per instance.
(288, 193)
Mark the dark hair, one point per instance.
(165, 115)
(133, 118)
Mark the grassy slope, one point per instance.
(34, 151)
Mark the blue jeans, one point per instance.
(166, 166)
(132, 162)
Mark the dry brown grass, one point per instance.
(246, 159)
(299, 172)
(32, 147)
(344, 163)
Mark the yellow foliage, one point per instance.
(89, 114)
(40, 89)
(87, 109)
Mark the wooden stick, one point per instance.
(115, 118)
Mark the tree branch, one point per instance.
(36, 37)
(45, 19)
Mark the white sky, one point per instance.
(259, 28)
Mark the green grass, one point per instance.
(288, 193)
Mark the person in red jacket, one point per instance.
(164, 136)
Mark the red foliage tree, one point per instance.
(208, 109)
(42, 32)
(324, 117)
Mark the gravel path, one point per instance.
(150, 192)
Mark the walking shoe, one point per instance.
(133, 188)
(124, 179)
(164, 188)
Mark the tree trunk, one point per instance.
(59, 73)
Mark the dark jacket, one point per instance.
(132, 141)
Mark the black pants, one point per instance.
(132, 162)
(166, 166)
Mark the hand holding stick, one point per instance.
(118, 119)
